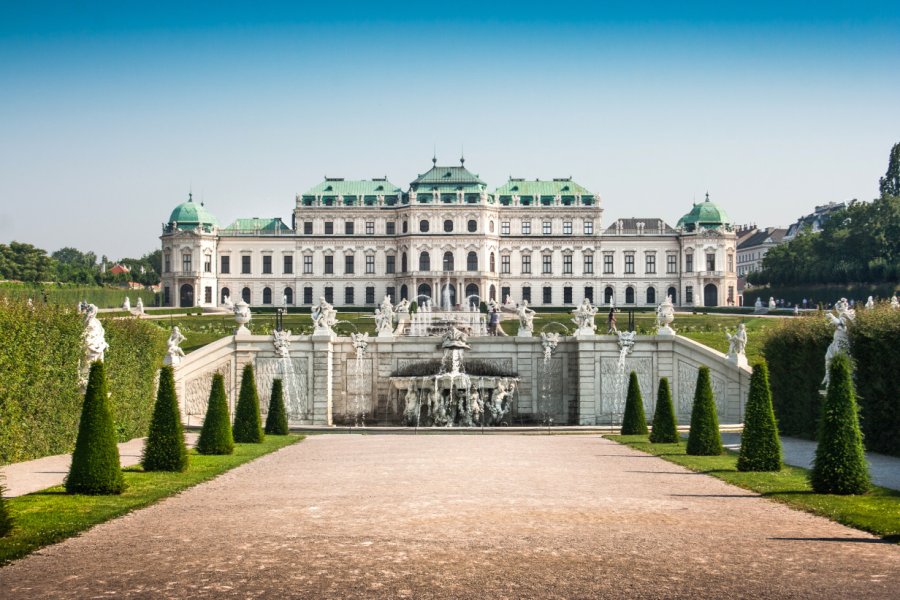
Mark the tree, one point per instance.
(24, 262)
(276, 420)
(95, 462)
(890, 183)
(704, 438)
(165, 449)
(840, 464)
(216, 436)
(247, 425)
(633, 421)
(760, 445)
(6, 520)
(665, 427)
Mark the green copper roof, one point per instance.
(537, 187)
(334, 186)
(706, 214)
(442, 177)
(257, 225)
(190, 214)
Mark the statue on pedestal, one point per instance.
(772, 305)
(737, 343)
(584, 318)
(127, 304)
(324, 317)
(384, 318)
(895, 304)
(140, 306)
(841, 340)
(174, 353)
(870, 303)
(227, 303)
(526, 319)
(665, 314)
(242, 316)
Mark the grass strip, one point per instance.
(877, 512)
(52, 515)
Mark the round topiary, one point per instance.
(704, 438)
(634, 422)
(165, 449)
(276, 420)
(840, 464)
(6, 520)
(760, 445)
(95, 465)
(665, 426)
(247, 423)
(215, 436)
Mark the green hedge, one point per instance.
(70, 295)
(815, 294)
(40, 402)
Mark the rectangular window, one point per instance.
(370, 227)
(688, 263)
(207, 264)
(288, 265)
(307, 295)
(226, 265)
(504, 228)
(307, 265)
(349, 264)
(526, 264)
(567, 295)
(608, 264)
(370, 295)
(390, 291)
(390, 264)
(267, 264)
(710, 262)
(588, 264)
(348, 227)
(567, 227)
(329, 227)
(671, 263)
(730, 294)
(348, 295)
(391, 228)
(689, 294)
(730, 263)
(186, 259)
(526, 293)
(307, 227)
(168, 264)
(650, 264)
(567, 263)
(504, 263)
(548, 295)
(547, 227)
(526, 227)
(207, 295)
(629, 263)
(329, 295)
(329, 265)
(546, 263)
(505, 293)
(370, 264)
(588, 228)
(166, 296)
(589, 293)
(245, 264)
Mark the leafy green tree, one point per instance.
(276, 420)
(840, 464)
(95, 462)
(24, 262)
(165, 449)
(247, 423)
(634, 422)
(704, 438)
(6, 520)
(890, 183)
(216, 436)
(665, 426)
(760, 445)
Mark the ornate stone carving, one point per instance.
(613, 402)
(687, 384)
(197, 390)
(293, 374)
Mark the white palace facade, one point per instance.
(353, 241)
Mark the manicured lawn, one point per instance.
(52, 515)
(877, 512)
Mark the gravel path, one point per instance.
(436, 516)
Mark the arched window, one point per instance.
(448, 261)
(448, 226)
(403, 263)
(493, 263)
(472, 261)
(186, 261)
(492, 292)
(245, 295)
(472, 294)
(267, 295)
(424, 262)
(629, 295)
(423, 226)
(491, 228)
(288, 295)
(226, 293)
(405, 226)
(608, 295)
(404, 292)
(651, 295)
(423, 293)
(472, 226)
(673, 292)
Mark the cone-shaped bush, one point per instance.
(276, 420)
(704, 438)
(215, 437)
(95, 462)
(6, 521)
(665, 427)
(165, 449)
(760, 446)
(634, 422)
(247, 424)
(840, 464)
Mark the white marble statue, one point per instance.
(227, 303)
(665, 314)
(282, 342)
(526, 319)
(140, 306)
(772, 304)
(895, 303)
(94, 335)
(841, 340)
(494, 305)
(402, 307)
(174, 353)
(737, 344)
(324, 317)
(127, 304)
(584, 318)
(411, 403)
(870, 303)
(549, 341)
(242, 316)
(384, 318)
(284, 300)
(360, 342)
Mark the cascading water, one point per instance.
(549, 342)
(282, 343)
(626, 343)
(360, 343)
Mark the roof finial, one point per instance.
(462, 155)
(434, 156)
(707, 195)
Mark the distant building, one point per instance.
(753, 245)
(814, 221)
(118, 269)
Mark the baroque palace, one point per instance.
(353, 241)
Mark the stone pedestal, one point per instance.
(524, 333)
(172, 360)
(739, 360)
(583, 332)
(385, 334)
(665, 330)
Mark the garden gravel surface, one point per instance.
(433, 516)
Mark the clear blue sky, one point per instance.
(110, 111)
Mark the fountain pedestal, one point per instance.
(739, 360)
(665, 330)
(582, 332)
(524, 333)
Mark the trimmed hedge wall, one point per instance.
(40, 403)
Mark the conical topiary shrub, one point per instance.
(215, 437)
(247, 424)
(840, 464)
(704, 438)
(634, 422)
(665, 426)
(95, 462)
(276, 420)
(6, 521)
(165, 449)
(760, 445)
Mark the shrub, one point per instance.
(760, 446)
(95, 462)
(665, 426)
(704, 438)
(633, 421)
(840, 464)
(276, 420)
(413, 307)
(165, 449)
(215, 436)
(247, 424)
(6, 520)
